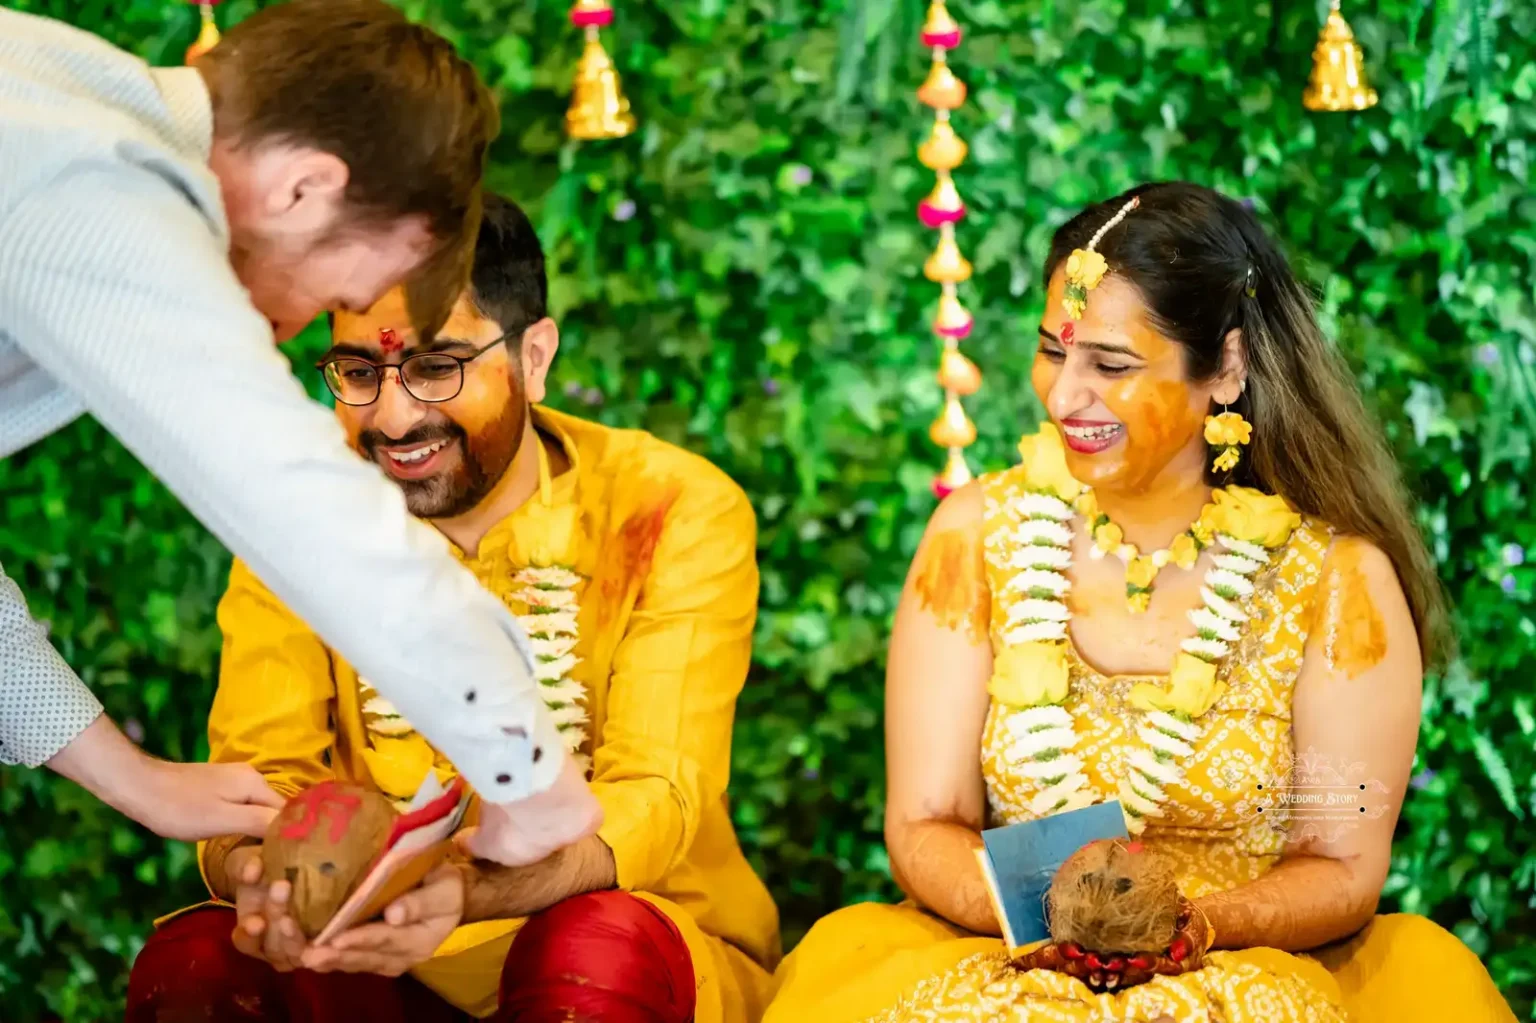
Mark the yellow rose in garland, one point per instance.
(1185, 551)
(1192, 689)
(1108, 536)
(1030, 675)
(1140, 573)
(1045, 462)
(1253, 516)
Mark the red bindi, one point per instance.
(1068, 332)
(388, 340)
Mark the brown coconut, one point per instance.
(322, 843)
(1115, 897)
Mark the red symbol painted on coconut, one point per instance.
(321, 801)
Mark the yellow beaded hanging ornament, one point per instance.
(207, 36)
(599, 109)
(941, 153)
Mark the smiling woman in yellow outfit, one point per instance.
(1203, 571)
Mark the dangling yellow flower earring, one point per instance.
(1229, 432)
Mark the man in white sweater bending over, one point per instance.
(159, 229)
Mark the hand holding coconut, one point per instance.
(317, 852)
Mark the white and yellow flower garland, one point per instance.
(1031, 672)
(550, 595)
(550, 623)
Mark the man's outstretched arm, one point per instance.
(118, 287)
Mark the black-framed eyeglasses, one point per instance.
(430, 376)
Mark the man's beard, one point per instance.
(483, 461)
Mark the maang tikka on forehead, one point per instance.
(1085, 268)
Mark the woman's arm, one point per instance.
(935, 708)
(1356, 703)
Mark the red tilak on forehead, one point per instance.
(1068, 332)
(388, 341)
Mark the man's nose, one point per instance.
(397, 411)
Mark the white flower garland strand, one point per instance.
(551, 627)
(1171, 740)
(1043, 736)
(550, 624)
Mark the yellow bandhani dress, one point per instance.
(899, 964)
(634, 574)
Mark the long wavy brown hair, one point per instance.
(1204, 266)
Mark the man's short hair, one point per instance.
(508, 283)
(409, 117)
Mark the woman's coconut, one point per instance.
(1115, 897)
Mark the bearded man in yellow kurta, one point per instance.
(630, 564)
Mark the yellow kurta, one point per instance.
(635, 572)
(898, 964)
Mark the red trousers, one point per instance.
(606, 956)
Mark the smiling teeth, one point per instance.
(418, 454)
(1092, 432)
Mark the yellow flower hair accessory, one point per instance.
(1086, 267)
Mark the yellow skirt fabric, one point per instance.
(897, 964)
(466, 970)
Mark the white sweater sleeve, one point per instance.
(115, 283)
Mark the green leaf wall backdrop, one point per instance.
(743, 276)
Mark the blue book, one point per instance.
(1020, 860)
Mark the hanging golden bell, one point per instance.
(598, 107)
(952, 319)
(952, 429)
(958, 374)
(944, 149)
(942, 90)
(207, 38)
(1338, 69)
(946, 265)
(956, 474)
